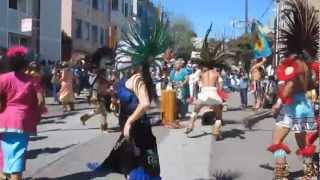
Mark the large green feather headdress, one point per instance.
(213, 56)
(144, 44)
(301, 31)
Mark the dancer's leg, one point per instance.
(216, 129)
(280, 152)
(193, 117)
(307, 150)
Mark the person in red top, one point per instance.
(20, 110)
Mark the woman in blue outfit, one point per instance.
(136, 148)
(135, 153)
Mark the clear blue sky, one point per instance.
(221, 12)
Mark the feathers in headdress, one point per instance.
(300, 33)
(212, 56)
(144, 45)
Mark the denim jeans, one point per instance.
(244, 96)
(55, 90)
(182, 107)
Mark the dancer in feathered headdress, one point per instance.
(101, 91)
(135, 152)
(299, 39)
(211, 94)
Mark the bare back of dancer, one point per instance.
(209, 78)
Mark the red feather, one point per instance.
(275, 147)
(307, 151)
(283, 71)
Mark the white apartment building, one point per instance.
(13, 11)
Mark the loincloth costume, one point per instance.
(209, 96)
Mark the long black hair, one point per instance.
(147, 79)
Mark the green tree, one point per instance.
(181, 33)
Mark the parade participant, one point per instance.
(243, 88)
(179, 78)
(55, 82)
(135, 152)
(193, 83)
(66, 94)
(209, 97)
(101, 98)
(294, 109)
(92, 79)
(21, 104)
(257, 77)
(34, 70)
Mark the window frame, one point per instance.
(78, 30)
(115, 6)
(11, 2)
(94, 33)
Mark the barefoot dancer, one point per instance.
(208, 96)
(295, 114)
(295, 110)
(101, 98)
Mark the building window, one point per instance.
(13, 4)
(87, 33)
(78, 28)
(94, 33)
(115, 5)
(23, 6)
(13, 39)
(122, 7)
(102, 36)
(103, 5)
(126, 10)
(95, 4)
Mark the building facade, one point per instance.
(122, 14)
(87, 23)
(12, 12)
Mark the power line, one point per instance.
(267, 9)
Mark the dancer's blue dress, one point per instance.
(140, 152)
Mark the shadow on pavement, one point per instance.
(32, 154)
(252, 120)
(234, 109)
(76, 176)
(234, 133)
(199, 135)
(37, 138)
(293, 175)
(61, 116)
(51, 122)
(52, 130)
(224, 175)
(83, 109)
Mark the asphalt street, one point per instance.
(64, 146)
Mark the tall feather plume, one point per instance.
(144, 44)
(301, 31)
(213, 55)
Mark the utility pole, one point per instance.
(277, 33)
(246, 16)
(36, 26)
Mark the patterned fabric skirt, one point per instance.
(299, 116)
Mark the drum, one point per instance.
(168, 107)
